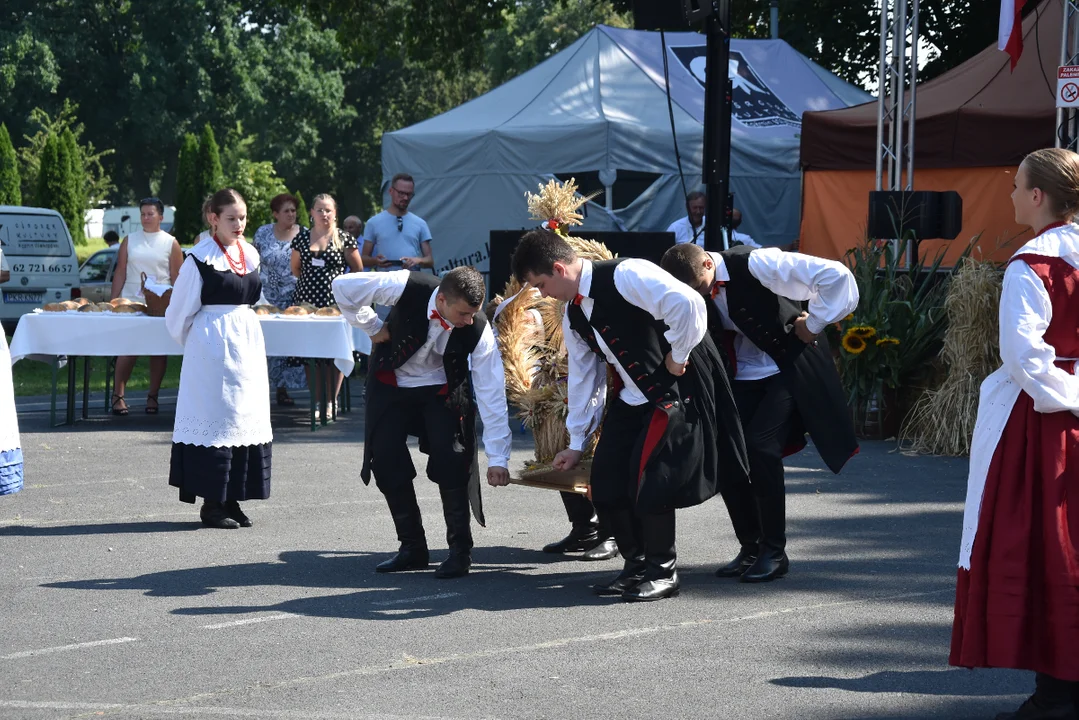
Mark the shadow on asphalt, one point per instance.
(130, 528)
(954, 682)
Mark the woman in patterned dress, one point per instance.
(316, 260)
(274, 245)
(222, 441)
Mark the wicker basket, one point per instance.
(155, 304)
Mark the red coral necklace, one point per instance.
(239, 267)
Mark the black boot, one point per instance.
(605, 547)
(627, 534)
(771, 560)
(660, 577)
(742, 562)
(458, 516)
(232, 509)
(1053, 699)
(405, 511)
(214, 516)
(582, 515)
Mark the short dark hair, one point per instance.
(695, 195)
(223, 198)
(537, 253)
(401, 176)
(464, 283)
(684, 262)
(154, 202)
(111, 236)
(279, 202)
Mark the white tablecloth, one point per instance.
(106, 334)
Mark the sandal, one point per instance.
(152, 410)
(283, 398)
(115, 410)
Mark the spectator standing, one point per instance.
(274, 245)
(316, 260)
(112, 238)
(155, 253)
(354, 227)
(11, 467)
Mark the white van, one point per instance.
(126, 220)
(38, 250)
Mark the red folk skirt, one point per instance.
(1018, 605)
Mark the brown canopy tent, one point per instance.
(974, 125)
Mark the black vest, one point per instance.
(409, 323)
(765, 318)
(634, 337)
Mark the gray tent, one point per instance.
(598, 110)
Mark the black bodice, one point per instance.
(224, 287)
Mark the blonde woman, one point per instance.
(316, 260)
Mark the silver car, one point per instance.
(95, 275)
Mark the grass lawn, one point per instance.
(34, 378)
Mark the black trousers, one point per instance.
(644, 538)
(758, 509)
(409, 411)
(579, 509)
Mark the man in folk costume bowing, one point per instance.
(673, 427)
(784, 379)
(420, 383)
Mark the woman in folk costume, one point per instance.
(221, 443)
(11, 471)
(1017, 599)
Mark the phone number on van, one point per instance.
(40, 268)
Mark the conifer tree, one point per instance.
(10, 192)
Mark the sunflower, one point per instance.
(863, 331)
(885, 341)
(854, 344)
(849, 318)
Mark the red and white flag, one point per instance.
(1010, 34)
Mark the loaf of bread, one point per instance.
(90, 307)
(104, 306)
(296, 310)
(330, 311)
(139, 307)
(119, 301)
(81, 302)
(69, 305)
(54, 307)
(267, 310)
(129, 309)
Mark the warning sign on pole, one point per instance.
(1068, 86)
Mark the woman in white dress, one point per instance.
(222, 441)
(10, 450)
(156, 253)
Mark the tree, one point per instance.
(188, 221)
(75, 197)
(10, 192)
(97, 183)
(208, 176)
(302, 216)
(258, 184)
(51, 177)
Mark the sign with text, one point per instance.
(1068, 86)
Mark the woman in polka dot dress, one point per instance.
(316, 261)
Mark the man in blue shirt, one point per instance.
(396, 238)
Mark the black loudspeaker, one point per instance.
(659, 15)
(645, 245)
(929, 215)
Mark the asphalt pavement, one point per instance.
(116, 603)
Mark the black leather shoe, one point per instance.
(1030, 710)
(232, 509)
(628, 578)
(648, 590)
(770, 564)
(603, 550)
(213, 516)
(578, 540)
(744, 560)
(405, 559)
(456, 565)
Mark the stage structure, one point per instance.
(897, 83)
